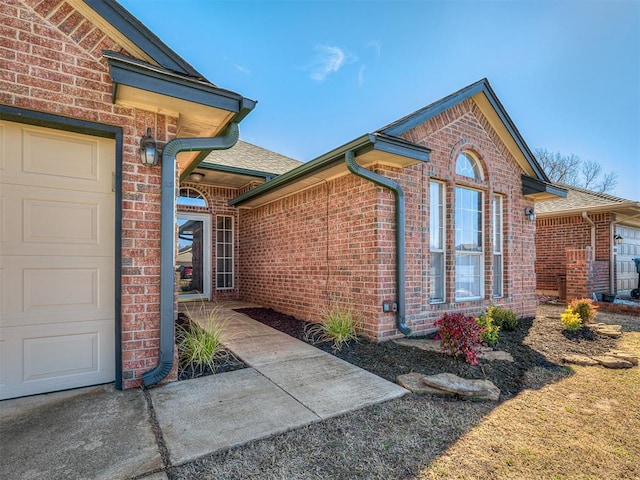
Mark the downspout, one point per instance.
(168, 240)
(593, 234)
(593, 231)
(349, 159)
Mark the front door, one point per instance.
(193, 262)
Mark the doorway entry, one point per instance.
(193, 262)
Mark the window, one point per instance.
(224, 252)
(468, 166)
(436, 243)
(190, 197)
(468, 244)
(498, 228)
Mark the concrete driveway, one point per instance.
(101, 433)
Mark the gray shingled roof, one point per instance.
(580, 199)
(251, 157)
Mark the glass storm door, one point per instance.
(193, 263)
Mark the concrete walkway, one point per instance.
(100, 433)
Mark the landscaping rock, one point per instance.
(579, 360)
(622, 355)
(414, 382)
(612, 362)
(496, 355)
(613, 331)
(421, 343)
(471, 389)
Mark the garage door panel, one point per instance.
(58, 161)
(3, 222)
(627, 276)
(44, 221)
(47, 221)
(56, 358)
(57, 220)
(49, 290)
(3, 146)
(56, 153)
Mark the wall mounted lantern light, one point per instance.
(148, 150)
(530, 213)
(617, 239)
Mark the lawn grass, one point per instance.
(582, 427)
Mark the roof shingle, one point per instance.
(251, 157)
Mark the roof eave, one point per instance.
(482, 86)
(137, 74)
(237, 170)
(539, 190)
(141, 36)
(360, 146)
(616, 208)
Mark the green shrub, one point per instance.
(491, 331)
(504, 318)
(460, 335)
(585, 308)
(199, 340)
(339, 325)
(571, 321)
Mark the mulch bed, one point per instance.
(536, 346)
(187, 372)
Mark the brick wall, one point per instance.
(555, 235)
(51, 61)
(334, 243)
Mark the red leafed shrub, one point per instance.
(460, 336)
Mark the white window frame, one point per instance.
(462, 253)
(190, 197)
(498, 246)
(437, 242)
(224, 258)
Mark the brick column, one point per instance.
(580, 272)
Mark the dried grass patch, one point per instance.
(582, 427)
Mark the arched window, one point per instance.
(190, 197)
(468, 166)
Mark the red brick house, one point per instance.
(585, 244)
(81, 263)
(423, 216)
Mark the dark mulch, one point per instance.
(535, 346)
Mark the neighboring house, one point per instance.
(585, 244)
(424, 216)
(81, 297)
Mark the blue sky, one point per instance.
(324, 73)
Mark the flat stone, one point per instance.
(492, 355)
(414, 382)
(612, 362)
(626, 356)
(613, 331)
(421, 343)
(471, 389)
(579, 360)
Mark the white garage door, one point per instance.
(626, 267)
(56, 260)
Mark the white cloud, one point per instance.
(328, 60)
(361, 75)
(376, 45)
(242, 68)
